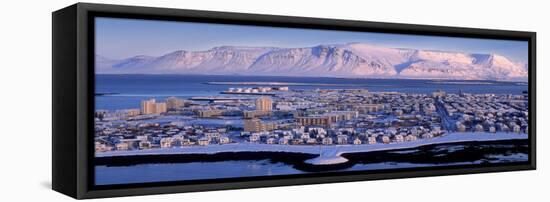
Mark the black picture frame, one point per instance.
(73, 98)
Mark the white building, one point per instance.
(283, 141)
(100, 147)
(460, 127)
(399, 138)
(516, 129)
(224, 140)
(167, 142)
(427, 135)
(254, 137)
(327, 141)
(342, 139)
(144, 145)
(204, 141)
(492, 129)
(386, 139)
(371, 140)
(271, 141)
(479, 128)
(410, 138)
(122, 146)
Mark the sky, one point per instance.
(118, 38)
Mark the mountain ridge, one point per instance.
(351, 60)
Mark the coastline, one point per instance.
(482, 150)
(316, 156)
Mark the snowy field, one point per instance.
(328, 154)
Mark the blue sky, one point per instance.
(122, 38)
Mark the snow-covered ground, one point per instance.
(327, 157)
(328, 154)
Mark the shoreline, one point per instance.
(318, 155)
(299, 160)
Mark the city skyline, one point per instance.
(305, 130)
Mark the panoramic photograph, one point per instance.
(183, 101)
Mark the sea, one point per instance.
(126, 91)
(114, 92)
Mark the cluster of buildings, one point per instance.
(135, 135)
(342, 136)
(308, 117)
(151, 106)
(486, 113)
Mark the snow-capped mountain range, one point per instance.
(352, 60)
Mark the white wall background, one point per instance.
(25, 87)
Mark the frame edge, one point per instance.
(82, 56)
(64, 146)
